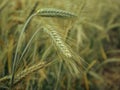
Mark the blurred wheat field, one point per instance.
(59, 45)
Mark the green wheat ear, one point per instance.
(58, 40)
(52, 12)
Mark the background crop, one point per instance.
(93, 39)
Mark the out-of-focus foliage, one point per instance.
(94, 35)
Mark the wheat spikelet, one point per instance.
(52, 12)
(58, 40)
(5, 78)
(25, 72)
(28, 71)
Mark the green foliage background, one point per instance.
(94, 36)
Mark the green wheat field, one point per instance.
(59, 44)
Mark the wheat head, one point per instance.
(52, 12)
(58, 40)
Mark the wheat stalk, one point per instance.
(58, 40)
(52, 12)
(18, 46)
